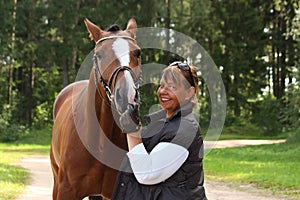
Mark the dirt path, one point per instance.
(40, 184)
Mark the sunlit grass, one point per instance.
(12, 181)
(12, 177)
(274, 167)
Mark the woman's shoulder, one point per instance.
(190, 121)
(155, 116)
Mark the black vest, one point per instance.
(187, 183)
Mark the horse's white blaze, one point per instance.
(121, 49)
(131, 87)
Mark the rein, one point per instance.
(97, 74)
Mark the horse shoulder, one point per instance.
(68, 92)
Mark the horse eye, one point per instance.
(137, 53)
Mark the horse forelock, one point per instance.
(113, 28)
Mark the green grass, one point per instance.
(13, 178)
(273, 167)
(243, 131)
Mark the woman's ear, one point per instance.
(190, 93)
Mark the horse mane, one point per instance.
(113, 28)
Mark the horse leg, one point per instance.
(55, 169)
(54, 192)
(65, 193)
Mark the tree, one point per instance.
(239, 52)
(282, 52)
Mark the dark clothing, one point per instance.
(186, 183)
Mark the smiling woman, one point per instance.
(165, 158)
(177, 87)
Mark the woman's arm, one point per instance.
(134, 139)
(158, 165)
(164, 159)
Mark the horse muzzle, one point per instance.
(125, 93)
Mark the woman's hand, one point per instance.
(130, 119)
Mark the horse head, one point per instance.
(117, 63)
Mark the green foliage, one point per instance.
(243, 128)
(42, 118)
(36, 140)
(45, 46)
(266, 115)
(290, 116)
(239, 50)
(295, 138)
(148, 94)
(5, 117)
(12, 133)
(9, 131)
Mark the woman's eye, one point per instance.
(172, 88)
(167, 87)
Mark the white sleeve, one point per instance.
(162, 162)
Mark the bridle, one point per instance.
(98, 77)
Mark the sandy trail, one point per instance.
(40, 184)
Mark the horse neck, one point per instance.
(95, 123)
(102, 107)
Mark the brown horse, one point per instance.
(87, 144)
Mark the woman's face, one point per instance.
(171, 95)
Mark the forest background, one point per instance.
(254, 43)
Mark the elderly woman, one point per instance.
(165, 157)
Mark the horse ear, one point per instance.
(131, 27)
(95, 32)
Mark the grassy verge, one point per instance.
(274, 167)
(243, 131)
(13, 178)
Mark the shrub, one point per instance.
(242, 127)
(295, 138)
(267, 116)
(9, 132)
(43, 116)
(12, 133)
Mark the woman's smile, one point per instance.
(164, 100)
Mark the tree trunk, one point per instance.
(31, 38)
(10, 82)
(168, 22)
(65, 74)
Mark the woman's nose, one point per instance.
(162, 90)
